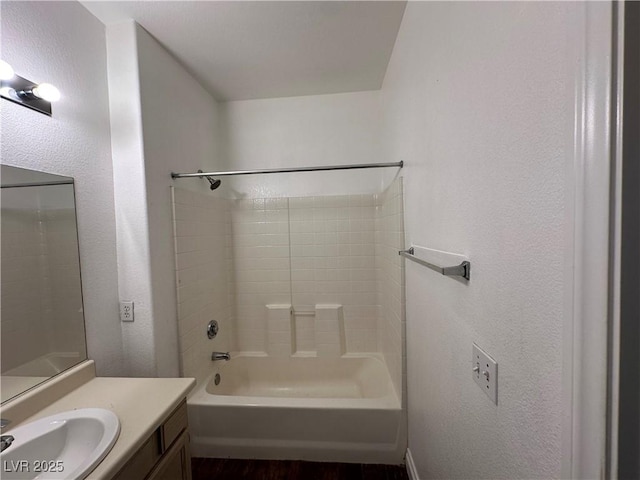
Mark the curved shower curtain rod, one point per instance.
(201, 174)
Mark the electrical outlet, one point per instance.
(126, 311)
(485, 373)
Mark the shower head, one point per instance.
(214, 183)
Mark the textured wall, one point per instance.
(180, 134)
(65, 45)
(305, 131)
(478, 101)
(134, 277)
(155, 132)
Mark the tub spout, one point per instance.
(220, 356)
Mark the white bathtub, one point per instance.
(28, 375)
(323, 409)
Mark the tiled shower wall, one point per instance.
(333, 262)
(204, 276)
(40, 280)
(304, 252)
(262, 266)
(64, 267)
(26, 299)
(390, 281)
(333, 250)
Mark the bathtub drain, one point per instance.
(216, 379)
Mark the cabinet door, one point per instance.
(142, 462)
(176, 463)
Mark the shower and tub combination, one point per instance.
(307, 294)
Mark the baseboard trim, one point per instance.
(411, 467)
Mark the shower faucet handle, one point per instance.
(212, 329)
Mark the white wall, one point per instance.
(62, 43)
(180, 125)
(162, 121)
(478, 100)
(134, 277)
(305, 131)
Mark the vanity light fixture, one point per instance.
(6, 71)
(16, 89)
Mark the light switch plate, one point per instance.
(485, 373)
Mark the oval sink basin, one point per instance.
(63, 446)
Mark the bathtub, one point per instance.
(28, 375)
(296, 408)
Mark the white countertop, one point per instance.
(141, 404)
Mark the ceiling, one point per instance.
(263, 49)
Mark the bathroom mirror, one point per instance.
(41, 320)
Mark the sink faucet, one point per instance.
(220, 356)
(5, 442)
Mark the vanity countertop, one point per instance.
(141, 404)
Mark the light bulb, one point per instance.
(47, 92)
(6, 71)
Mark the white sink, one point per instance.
(66, 445)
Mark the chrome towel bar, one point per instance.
(461, 270)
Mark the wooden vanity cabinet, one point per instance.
(165, 454)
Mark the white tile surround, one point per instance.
(330, 337)
(64, 273)
(204, 277)
(390, 280)
(332, 259)
(333, 262)
(40, 285)
(26, 300)
(260, 238)
(280, 342)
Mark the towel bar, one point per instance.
(462, 270)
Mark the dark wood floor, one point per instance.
(230, 469)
